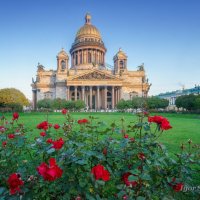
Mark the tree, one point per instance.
(58, 103)
(186, 101)
(123, 105)
(197, 102)
(45, 103)
(12, 98)
(70, 105)
(138, 102)
(79, 104)
(155, 103)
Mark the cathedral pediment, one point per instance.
(95, 75)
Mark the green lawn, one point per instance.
(185, 126)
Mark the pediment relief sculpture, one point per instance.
(94, 76)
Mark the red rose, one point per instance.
(126, 181)
(155, 119)
(56, 126)
(42, 169)
(11, 136)
(141, 156)
(49, 141)
(82, 121)
(4, 143)
(126, 136)
(178, 187)
(14, 182)
(45, 128)
(2, 129)
(140, 167)
(165, 125)
(58, 144)
(51, 172)
(132, 139)
(161, 121)
(105, 151)
(64, 111)
(42, 134)
(100, 173)
(15, 116)
(125, 197)
(43, 125)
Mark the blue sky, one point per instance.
(162, 34)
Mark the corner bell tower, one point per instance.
(62, 61)
(120, 62)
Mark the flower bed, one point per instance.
(91, 163)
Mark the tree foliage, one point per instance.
(189, 102)
(45, 103)
(155, 103)
(138, 102)
(58, 104)
(13, 99)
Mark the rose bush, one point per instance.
(85, 159)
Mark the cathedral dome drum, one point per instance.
(88, 49)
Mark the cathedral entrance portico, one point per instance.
(95, 97)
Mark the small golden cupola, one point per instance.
(88, 49)
(120, 62)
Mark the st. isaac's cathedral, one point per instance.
(89, 78)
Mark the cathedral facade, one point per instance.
(88, 77)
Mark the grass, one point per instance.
(185, 126)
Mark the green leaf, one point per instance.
(100, 182)
(145, 177)
(134, 171)
(51, 150)
(132, 178)
(2, 190)
(140, 198)
(81, 162)
(89, 197)
(98, 197)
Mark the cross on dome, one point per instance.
(87, 18)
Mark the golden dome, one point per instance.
(88, 30)
(120, 53)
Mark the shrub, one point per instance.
(45, 103)
(93, 161)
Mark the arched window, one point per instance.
(73, 96)
(81, 58)
(76, 59)
(89, 57)
(121, 64)
(63, 64)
